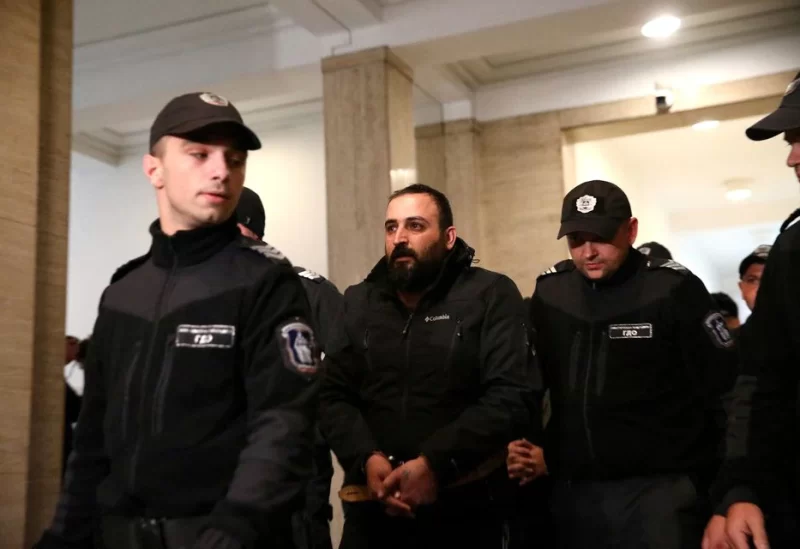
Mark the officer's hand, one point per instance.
(525, 461)
(377, 469)
(746, 520)
(714, 536)
(413, 483)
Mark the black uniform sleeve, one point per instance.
(341, 421)
(496, 418)
(707, 348)
(326, 302)
(760, 441)
(280, 363)
(76, 516)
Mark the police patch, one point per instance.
(299, 347)
(715, 326)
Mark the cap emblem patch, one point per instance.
(214, 99)
(586, 204)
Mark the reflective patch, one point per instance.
(675, 266)
(630, 331)
(715, 326)
(269, 251)
(214, 99)
(311, 275)
(299, 347)
(209, 336)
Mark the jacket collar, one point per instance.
(186, 248)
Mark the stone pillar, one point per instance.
(369, 133)
(36, 76)
(522, 187)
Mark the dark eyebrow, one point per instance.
(416, 218)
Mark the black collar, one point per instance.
(186, 248)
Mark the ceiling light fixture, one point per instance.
(705, 125)
(738, 189)
(661, 27)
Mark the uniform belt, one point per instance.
(150, 533)
(357, 493)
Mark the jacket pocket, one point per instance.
(163, 385)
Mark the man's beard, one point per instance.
(418, 275)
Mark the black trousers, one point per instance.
(368, 527)
(664, 512)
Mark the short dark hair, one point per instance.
(442, 203)
(725, 305)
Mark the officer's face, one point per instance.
(793, 161)
(750, 283)
(414, 240)
(596, 258)
(197, 183)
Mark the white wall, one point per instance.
(111, 209)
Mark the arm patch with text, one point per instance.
(715, 327)
(299, 347)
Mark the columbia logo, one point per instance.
(435, 318)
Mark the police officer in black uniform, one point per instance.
(312, 525)
(636, 359)
(425, 385)
(196, 426)
(759, 485)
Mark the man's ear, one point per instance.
(153, 170)
(450, 237)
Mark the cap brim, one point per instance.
(782, 120)
(604, 227)
(249, 139)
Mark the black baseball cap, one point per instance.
(596, 207)
(785, 118)
(189, 113)
(250, 212)
(759, 255)
(654, 249)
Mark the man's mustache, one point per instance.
(403, 251)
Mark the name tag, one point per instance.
(209, 336)
(630, 331)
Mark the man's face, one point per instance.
(415, 244)
(598, 259)
(750, 282)
(197, 183)
(793, 160)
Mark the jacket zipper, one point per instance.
(406, 329)
(137, 449)
(573, 360)
(601, 363)
(453, 341)
(586, 395)
(161, 386)
(126, 399)
(366, 349)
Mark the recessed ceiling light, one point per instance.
(705, 125)
(738, 195)
(661, 27)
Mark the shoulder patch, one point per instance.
(716, 329)
(128, 267)
(310, 275)
(299, 347)
(656, 263)
(560, 267)
(264, 249)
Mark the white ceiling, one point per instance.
(560, 50)
(100, 20)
